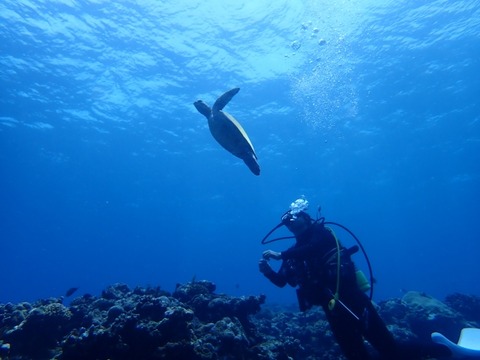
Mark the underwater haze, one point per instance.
(368, 108)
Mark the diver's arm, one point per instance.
(277, 278)
(300, 252)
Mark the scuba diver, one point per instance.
(322, 271)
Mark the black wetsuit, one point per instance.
(311, 266)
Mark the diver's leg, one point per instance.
(348, 333)
(377, 333)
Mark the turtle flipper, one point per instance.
(203, 108)
(223, 100)
(251, 161)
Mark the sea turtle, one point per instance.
(227, 131)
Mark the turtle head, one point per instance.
(203, 108)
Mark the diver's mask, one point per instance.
(297, 223)
(290, 217)
(297, 209)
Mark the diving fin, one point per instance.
(468, 346)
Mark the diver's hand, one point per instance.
(264, 267)
(270, 254)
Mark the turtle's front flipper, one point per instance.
(203, 108)
(224, 99)
(251, 161)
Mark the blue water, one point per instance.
(108, 173)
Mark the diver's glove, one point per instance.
(264, 267)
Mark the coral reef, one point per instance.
(194, 322)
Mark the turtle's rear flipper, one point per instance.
(252, 164)
(224, 99)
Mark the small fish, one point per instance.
(71, 291)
